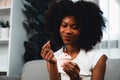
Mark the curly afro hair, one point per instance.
(87, 14)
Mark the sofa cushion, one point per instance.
(35, 70)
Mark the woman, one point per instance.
(78, 27)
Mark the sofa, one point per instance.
(37, 70)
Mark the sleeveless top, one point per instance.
(85, 61)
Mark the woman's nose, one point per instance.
(68, 30)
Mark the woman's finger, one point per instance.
(48, 54)
(75, 67)
(45, 53)
(46, 45)
(45, 48)
(71, 68)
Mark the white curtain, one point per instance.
(111, 38)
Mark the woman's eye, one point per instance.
(64, 25)
(75, 27)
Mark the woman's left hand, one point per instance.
(72, 69)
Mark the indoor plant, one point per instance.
(34, 12)
(4, 29)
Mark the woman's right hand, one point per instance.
(47, 53)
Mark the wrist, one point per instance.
(53, 61)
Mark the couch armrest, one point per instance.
(9, 78)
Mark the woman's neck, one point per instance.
(70, 49)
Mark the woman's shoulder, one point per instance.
(95, 55)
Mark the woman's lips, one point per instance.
(67, 38)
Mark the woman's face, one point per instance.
(69, 30)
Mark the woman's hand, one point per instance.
(47, 53)
(72, 69)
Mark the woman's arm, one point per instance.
(99, 71)
(48, 55)
(53, 71)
